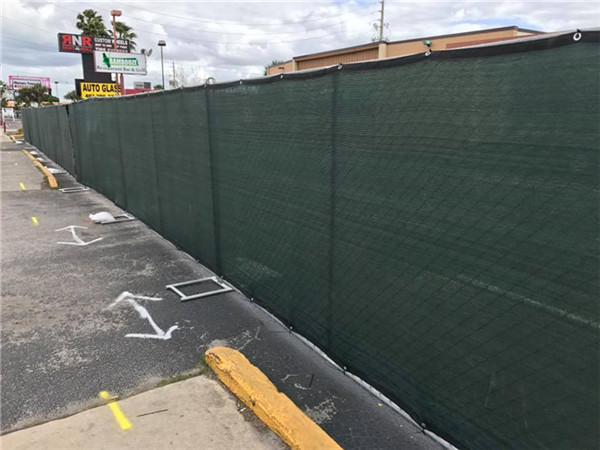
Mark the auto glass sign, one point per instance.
(91, 89)
(114, 62)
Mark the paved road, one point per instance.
(62, 342)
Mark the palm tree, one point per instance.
(3, 91)
(124, 31)
(91, 24)
(72, 96)
(34, 95)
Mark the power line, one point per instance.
(37, 44)
(187, 38)
(228, 33)
(224, 22)
(188, 29)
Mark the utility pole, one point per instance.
(162, 44)
(116, 13)
(174, 82)
(381, 19)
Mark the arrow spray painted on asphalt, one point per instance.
(77, 239)
(144, 314)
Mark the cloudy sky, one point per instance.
(233, 40)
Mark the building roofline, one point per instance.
(339, 50)
(440, 36)
(465, 33)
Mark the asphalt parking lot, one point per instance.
(64, 335)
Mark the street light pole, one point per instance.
(116, 13)
(56, 90)
(162, 44)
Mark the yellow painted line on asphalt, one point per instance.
(121, 419)
(22, 186)
(34, 220)
(274, 408)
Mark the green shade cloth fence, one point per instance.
(430, 222)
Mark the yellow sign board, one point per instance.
(99, 89)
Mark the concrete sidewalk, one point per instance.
(18, 173)
(194, 413)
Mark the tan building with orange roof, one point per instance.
(379, 50)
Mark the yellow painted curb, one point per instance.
(51, 180)
(274, 408)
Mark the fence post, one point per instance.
(74, 158)
(156, 177)
(332, 211)
(214, 187)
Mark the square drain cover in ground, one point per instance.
(204, 287)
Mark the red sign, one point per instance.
(74, 43)
(77, 43)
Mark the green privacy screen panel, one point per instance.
(183, 171)
(272, 191)
(137, 158)
(474, 194)
(431, 222)
(64, 152)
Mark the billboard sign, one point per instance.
(99, 89)
(114, 62)
(17, 82)
(77, 43)
(106, 44)
(142, 85)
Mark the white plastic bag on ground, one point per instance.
(102, 217)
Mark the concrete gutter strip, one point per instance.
(274, 408)
(51, 179)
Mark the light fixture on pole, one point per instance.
(116, 13)
(162, 44)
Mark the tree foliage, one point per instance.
(91, 23)
(3, 92)
(275, 62)
(124, 31)
(35, 95)
(72, 96)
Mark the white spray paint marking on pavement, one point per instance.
(77, 239)
(144, 314)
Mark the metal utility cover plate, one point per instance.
(70, 190)
(223, 288)
(119, 218)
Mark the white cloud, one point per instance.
(229, 40)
